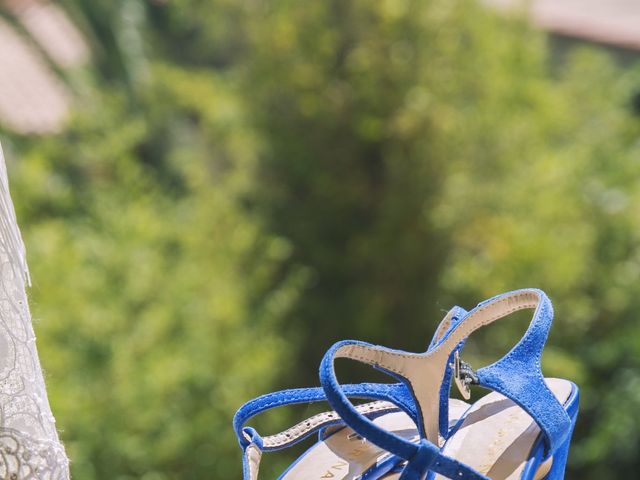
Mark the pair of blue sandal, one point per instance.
(411, 430)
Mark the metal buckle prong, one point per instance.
(464, 376)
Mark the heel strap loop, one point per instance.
(391, 397)
(253, 444)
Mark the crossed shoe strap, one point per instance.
(253, 444)
(389, 398)
(517, 376)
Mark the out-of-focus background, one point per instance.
(212, 192)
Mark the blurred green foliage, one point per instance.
(161, 299)
(246, 177)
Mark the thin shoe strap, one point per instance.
(396, 393)
(517, 376)
(453, 318)
(391, 397)
(254, 445)
(421, 457)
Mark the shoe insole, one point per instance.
(497, 436)
(346, 456)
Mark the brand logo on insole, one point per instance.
(351, 455)
(334, 468)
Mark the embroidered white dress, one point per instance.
(29, 443)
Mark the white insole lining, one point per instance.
(496, 436)
(345, 456)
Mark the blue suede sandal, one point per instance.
(521, 430)
(340, 452)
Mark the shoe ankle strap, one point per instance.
(518, 375)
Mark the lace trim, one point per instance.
(9, 231)
(22, 458)
(29, 444)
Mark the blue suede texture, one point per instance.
(341, 404)
(421, 457)
(443, 422)
(245, 465)
(429, 459)
(517, 375)
(561, 455)
(398, 393)
(395, 393)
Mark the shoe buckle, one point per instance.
(464, 376)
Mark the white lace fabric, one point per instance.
(29, 443)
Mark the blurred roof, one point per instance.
(33, 97)
(52, 29)
(612, 22)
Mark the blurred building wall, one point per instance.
(39, 43)
(611, 22)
